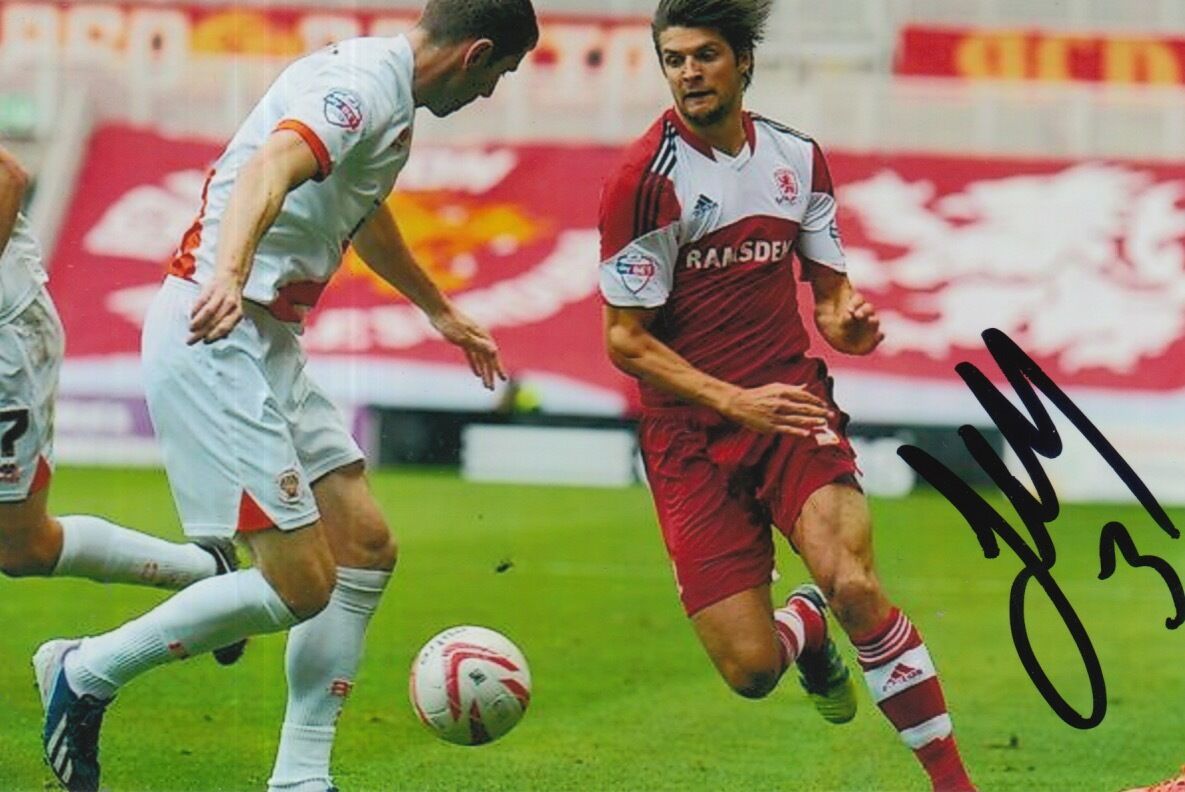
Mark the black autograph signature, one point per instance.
(1028, 436)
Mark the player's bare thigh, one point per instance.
(30, 540)
(834, 537)
(738, 635)
(355, 528)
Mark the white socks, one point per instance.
(102, 551)
(209, 614)
(322, 659)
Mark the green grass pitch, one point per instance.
(624, 698)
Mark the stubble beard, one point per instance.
(711, 117)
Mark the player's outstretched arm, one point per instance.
(382, 247)
(281, 164)
(13, 183)
(777, 407)
(845, 319)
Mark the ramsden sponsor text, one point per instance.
(760, 251)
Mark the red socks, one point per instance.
(800, 627)
(904, 684)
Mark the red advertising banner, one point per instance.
(1082, 263)
(985, 54)
(508, 231)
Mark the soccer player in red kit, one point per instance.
(739, 431)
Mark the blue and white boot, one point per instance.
(71, 733)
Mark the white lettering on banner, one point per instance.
(102, 34)
(74, 416)
(1096, 282)
(147, 222)
(93, 34)
(159, 37)
(385, 327)
(572, 53)
(132, 303)
(345, 331)
(106, 34)
(29, 33)
(466, 169)
(761, 251)
(391, 26)
(531, 297)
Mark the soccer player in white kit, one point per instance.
(32, 542)
(252, 447)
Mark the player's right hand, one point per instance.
(218, 309)
(478, 345)
(778, 408)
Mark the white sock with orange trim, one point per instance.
(99, 550)
(904, 684)
(322, 658)
(198, 619)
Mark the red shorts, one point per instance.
(718, 486)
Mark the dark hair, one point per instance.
(740, 22)
(510, 24)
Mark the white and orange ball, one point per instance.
(470, 685)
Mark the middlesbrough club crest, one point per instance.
(787, 183)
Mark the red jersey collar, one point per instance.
(699, 144)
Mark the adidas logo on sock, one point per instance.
(901, 674)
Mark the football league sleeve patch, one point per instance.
(333, 116)
(818, 236)
(642, 273)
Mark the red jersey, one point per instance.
(708, 238)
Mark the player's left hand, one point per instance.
(475, 341)
(859, 330)
(217, 310)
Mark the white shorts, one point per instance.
(31, 347)
(243, 431)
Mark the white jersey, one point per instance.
(21, 273)
(352, 103)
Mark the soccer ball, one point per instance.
(470, 685)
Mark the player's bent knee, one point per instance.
(21, 563)
(385, 555)
(305, 584)
(853, 597)
(752, 674)
(308, 593)
(376, 546)
(752, 684)
(32, 558)
(361, 537)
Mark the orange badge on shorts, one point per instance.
(289, 482)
